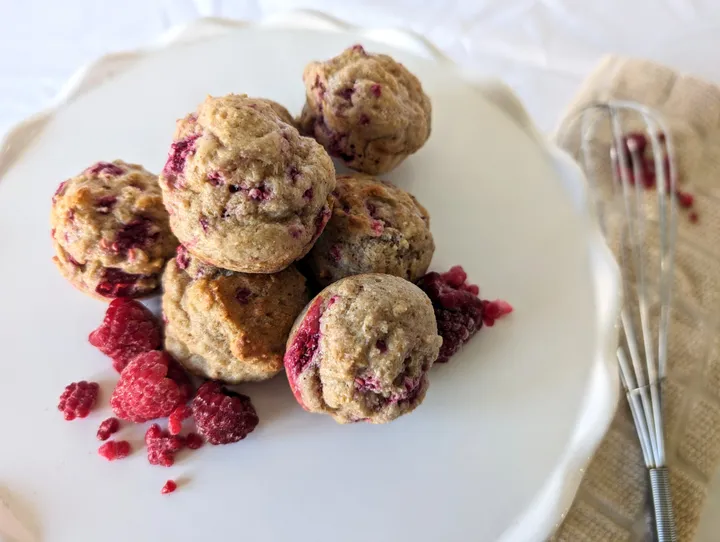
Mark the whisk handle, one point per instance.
(662, 501)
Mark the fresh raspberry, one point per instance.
(162, 446)
(107, 428)
(459, 312)
(129, 329)
(78, 399)
(193, 441)
(169, 487)
(113, 450)
(176, 418)
(223, 416)
(147, 390)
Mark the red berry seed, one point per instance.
(221, 415)
(107, 428)
(162, 446)
(78, 399)
(129, 329)
(151, 386)
(169, 487)
(113, 450)
(176, 418)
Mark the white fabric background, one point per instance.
(542, 48)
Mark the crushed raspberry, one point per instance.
(135, 234)
(146, 389)
(162, 446)
(381, 345)
(204, 224)
(60, 191)
(169, 487)
(261, 193)
(377, 227)
(364, 120)
(78, 399)
(223, 416)
(183, 412)
(376, 90)
(105, 204)
(300, 353)
(638, 142)
(107, 428)
(215, 178)
(308, 194)
(73, 260)
(193, 441)
(243, 295)
(113, 450)
(117, 283)
(358, 49)
(346, 93)
(105, 167)
(321, 221)
(368, 384)
(295, 232)
(293, 173)
(182, 258)
(178, 155)
(459, 311)
(318, 85)
(128, 329)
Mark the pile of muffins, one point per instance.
(247, 197)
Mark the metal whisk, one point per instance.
(632, 174)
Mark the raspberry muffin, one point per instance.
(375, 227)
(225, 325)
(365, 109)
(110, 231)
(361, 350)
(244, 190)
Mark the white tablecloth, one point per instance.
(542, 48)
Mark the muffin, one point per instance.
(110, 231)
(226, 325)
(365, 109)
(375, 227)
(244, 190)
(361, 349)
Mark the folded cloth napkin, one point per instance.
(613, 503)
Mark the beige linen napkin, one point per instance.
(613, 503)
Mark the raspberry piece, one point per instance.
(169, 487)
(193, 441)
(78, 399)
(221, 415)
(107, 428)
(105, 167)
(113, 450)
(162, 446)
(117, 283)
(459, 312)
(129, 329)
(151, 386)
(176, 418)
(182, 257)
(180, 150)
(135, 234)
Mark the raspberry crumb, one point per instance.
(162, 446)
(107, 428)
(176, 418)
(193, 441)
(459, 312)
(113, 450)
(169, 487)
(223, 416)
(151, 386)
(129, 329)
(78, 399)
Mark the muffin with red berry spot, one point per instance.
(366, 109)
(110, 231)
(226, 325)
(375, 227)
(244, 190)
(361, 349)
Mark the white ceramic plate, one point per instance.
(497, 448)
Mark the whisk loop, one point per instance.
(639, 159)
